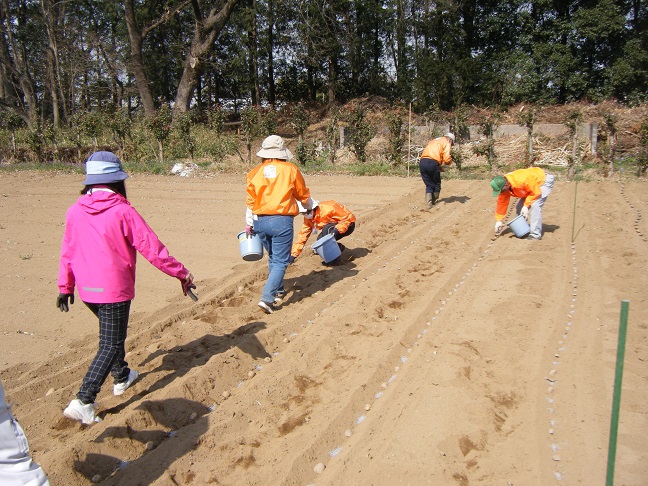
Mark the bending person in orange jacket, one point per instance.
(532, 186)
(273, 189)
(327, 217)
(435, 154)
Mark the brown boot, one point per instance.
(429, 200)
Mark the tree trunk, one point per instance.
(56, 117)
(331, 80)
(137, 65)
(199, 101)
(402, 81)
(310, 78)
(206, 31)
(52, 60)
(271, 81)
(14, 57)
(254, 58)
(210, 96)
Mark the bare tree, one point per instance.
(52, 13)
(136, 36)
(254, 55)
(270, 39)
(206, 30)
(19, 87)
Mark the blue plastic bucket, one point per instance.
(519, 226)
(250, 246)
(327, 248)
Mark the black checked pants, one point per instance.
(113, 326)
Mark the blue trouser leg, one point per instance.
(276, 233)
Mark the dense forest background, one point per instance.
(79, 73)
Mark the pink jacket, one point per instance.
(102, 234)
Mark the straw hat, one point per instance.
(273, 148)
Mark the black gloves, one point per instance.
(190, 293)
(291, 260)
(62, 302)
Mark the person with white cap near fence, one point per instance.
(103, 234)
(532, 186)
(273, 189)
(327, 217)
(435, 155)
(16, 465)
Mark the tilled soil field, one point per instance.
(432, 354)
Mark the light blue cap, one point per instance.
(103, 168)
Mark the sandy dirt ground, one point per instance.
(433, 354)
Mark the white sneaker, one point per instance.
(120, 388)
(267, 308)
(84, 413)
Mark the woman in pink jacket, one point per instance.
(103, 234)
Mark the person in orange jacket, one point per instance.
(435, 154)
(273, 189)
(532, 186)
(327, 217)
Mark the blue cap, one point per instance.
(103, 168)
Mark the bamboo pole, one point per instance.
(574, 215)
(616, 399)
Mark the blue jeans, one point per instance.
(276, 233)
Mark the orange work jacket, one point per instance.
(438, 149)
(525, 184)
(326, 212)
(274, 187)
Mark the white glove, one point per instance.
(249, 217)
(525, 213)
(498, 227)
(309, 203)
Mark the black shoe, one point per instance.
(332, 262)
